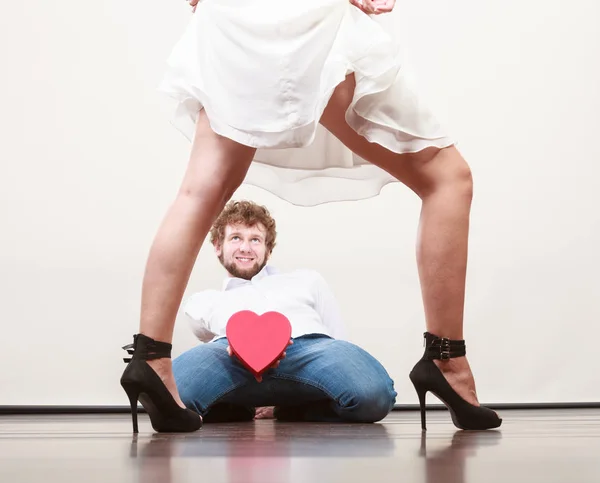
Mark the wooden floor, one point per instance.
(532, 446)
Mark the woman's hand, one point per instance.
(374, 7)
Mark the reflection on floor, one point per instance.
(536, 445)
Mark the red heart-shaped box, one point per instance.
(258, 340)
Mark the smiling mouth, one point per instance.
(244, 259)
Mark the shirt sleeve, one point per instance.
(198, 308)
(328, 309)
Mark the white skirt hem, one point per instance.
(301, 162)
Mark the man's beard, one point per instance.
(245, 274)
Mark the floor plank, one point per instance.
(531, 446)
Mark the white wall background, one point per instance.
(89, 163)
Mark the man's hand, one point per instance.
(374, 7)
(273, 366)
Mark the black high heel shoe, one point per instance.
(426, 376)
(142, 383)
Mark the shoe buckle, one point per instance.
(444, 349)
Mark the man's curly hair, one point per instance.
(245, 213)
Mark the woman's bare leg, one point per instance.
(216, 168)
(442, 179)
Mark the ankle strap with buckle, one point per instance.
(443, 348)
(147, 349)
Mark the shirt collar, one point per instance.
(232, 282)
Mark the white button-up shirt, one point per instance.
(302, 296)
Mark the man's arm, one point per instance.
(327, 307)
(197, 309)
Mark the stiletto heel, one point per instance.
(142, 383)
(426, 376)
(422, 393)
(133, 400)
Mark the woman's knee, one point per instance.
(212, 188)
(460, 176)
(217, 166)
(446, 171)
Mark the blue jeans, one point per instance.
(320, 379)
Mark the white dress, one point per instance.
(264, 71)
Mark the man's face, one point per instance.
(244, 251)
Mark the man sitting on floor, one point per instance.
(322, 378)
